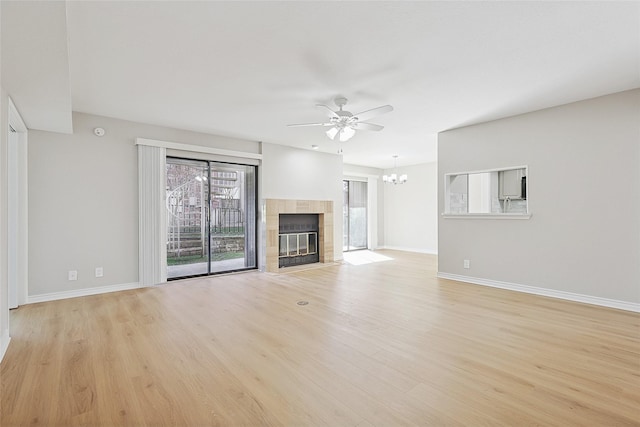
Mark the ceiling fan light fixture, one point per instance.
(331, 133)
(346, 134)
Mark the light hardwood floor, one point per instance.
(382, 344)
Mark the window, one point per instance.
(491, 193)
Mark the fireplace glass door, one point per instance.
(298, 239)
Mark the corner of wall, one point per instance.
(4, 343)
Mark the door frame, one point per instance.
(347, 232)
(207, 218)
(18, 208)
(372, 204)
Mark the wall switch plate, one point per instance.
(99, 272)
(466, 263)
(73, 275)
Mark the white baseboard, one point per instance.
(4, 343)
(404, 249)
(587, 299)
(32, 299)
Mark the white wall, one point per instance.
(584, 185)
(4, 287)
(83, 201)
(410, 210)
(291, 173)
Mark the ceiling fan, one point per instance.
(344, 124)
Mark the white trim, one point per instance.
(508, 168)
(348, 175)
(196, 148)
(5, 339)
(15, 120)
(570, 296)
(406, 249)
(486, 216)
(18, 211)
(32, 299)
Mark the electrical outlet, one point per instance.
(99, 272)
(466, 263)
(73, 274)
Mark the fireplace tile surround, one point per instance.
(275, 207)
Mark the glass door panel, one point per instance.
(233, 217)
(293, 244)
(303, 244)
(313, 238)
(283, 246)
(186, 204)
(355, 215)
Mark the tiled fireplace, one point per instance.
(276, 207)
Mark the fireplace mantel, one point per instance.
(275, 207)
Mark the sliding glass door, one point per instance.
(354, 220)
(211, 217)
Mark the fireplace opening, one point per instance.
(298, 239)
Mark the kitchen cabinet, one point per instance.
(512, 184)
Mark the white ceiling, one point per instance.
(247, 69)
(35, 63)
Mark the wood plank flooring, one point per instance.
(381, 344)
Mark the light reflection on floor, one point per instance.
(364, 257)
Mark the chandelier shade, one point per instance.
(394, 178)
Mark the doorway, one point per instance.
(211, 217)
(354, 219)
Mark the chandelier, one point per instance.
(393, 178)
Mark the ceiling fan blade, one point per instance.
(366, 115)
(368, 126)
(331, 112)
(310, 124)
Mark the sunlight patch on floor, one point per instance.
(364, 257)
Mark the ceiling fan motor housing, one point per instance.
(340, 101)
